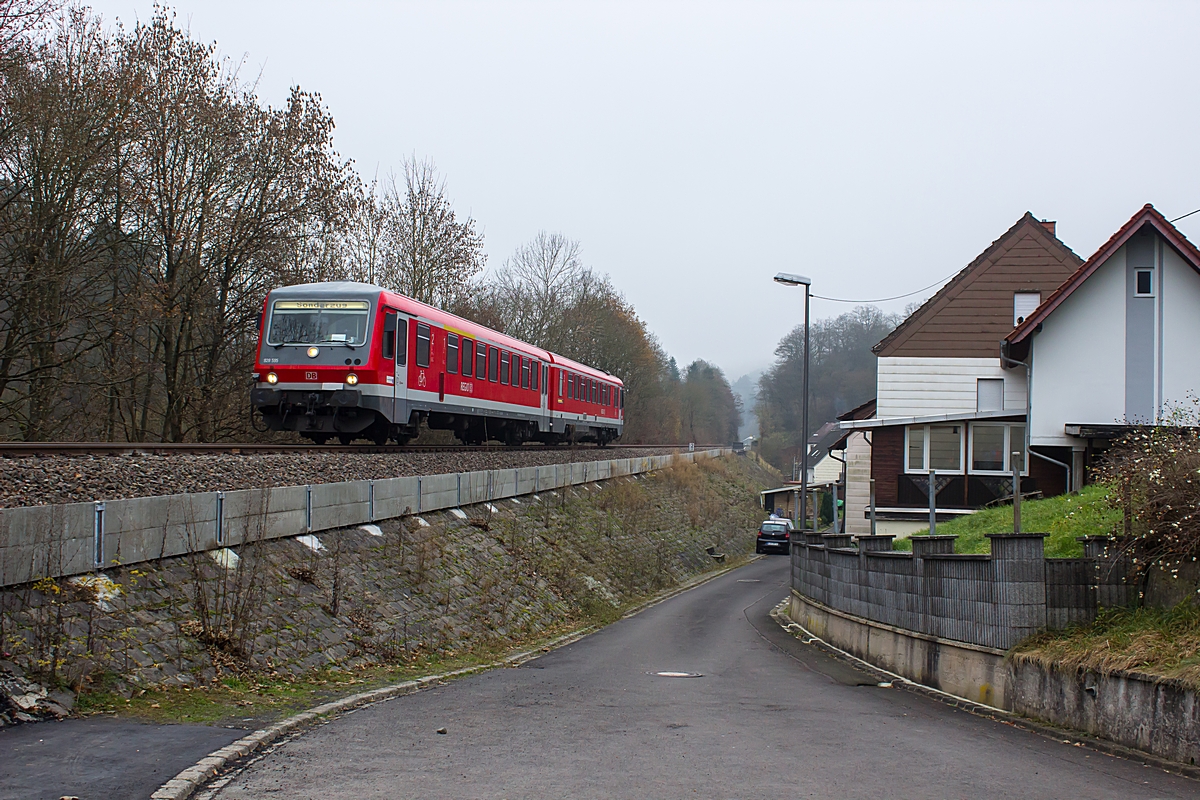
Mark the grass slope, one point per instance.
(1163, 643)
(1064, 517)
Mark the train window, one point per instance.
(604, 394)
(524, 373)
(468, 356)
(560, 384)
(424, 342)
(389, 335)
(402, 341)
(592, 392)
(571, 385)
(481, 361)
(493, 364)
(504, 367)
(535, 369)
(545, 379)
(622, 398)
(452, 353)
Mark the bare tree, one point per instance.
(427, 252)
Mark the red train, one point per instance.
(351, 361)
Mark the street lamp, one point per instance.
(789, 279)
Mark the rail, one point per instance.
(26, 449)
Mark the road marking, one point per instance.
(676, 674)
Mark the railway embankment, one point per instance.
(48, 479)
(446, 583)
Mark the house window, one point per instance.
(916, 449)
(937, 447)
(992, 446)
(468, 357)
(1145, 283)
(945, 448)
(452, 353)
(1024, 304)
(987, 448)
(424, 342)
(989, 394)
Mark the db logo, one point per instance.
(310, 376)
(421, 379)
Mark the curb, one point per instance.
(185, 784)
(1063, 735)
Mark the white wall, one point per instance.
(1180, 288)
(915, 387)
(1079, 358)
(858, 483)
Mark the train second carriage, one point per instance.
(352, 361)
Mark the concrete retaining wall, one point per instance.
(74, 538)
(980, 674)
(1159, 717)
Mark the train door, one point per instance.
(544, 383)
(395, 349)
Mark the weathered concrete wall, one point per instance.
(71, 539)
(1159, 717)
(977, 673)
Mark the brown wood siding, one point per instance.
(969, 317)
(887, 461)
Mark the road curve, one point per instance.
(767, 717)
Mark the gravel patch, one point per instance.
(44, 480)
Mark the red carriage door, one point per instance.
(396, 337)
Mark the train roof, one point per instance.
(445, 319)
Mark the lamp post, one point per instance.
(789, 279)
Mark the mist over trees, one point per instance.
(841, 377)
(149, 201)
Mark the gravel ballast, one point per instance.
(44, 480)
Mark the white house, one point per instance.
(1115, 345)
(944, 401)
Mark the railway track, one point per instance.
(28, 449)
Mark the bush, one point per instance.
(1154, 472)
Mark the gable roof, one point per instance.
(1148, 215)
(978, 306)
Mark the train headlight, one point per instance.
(272, 378)
(351, 379)
(313, 352)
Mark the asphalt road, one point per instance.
(766, 717)
(100, 758)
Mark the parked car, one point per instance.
(775, 536)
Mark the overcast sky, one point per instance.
(696, 149)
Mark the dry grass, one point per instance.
(1163, 643)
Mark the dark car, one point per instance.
(774, 536)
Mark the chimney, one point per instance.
(1048, 224)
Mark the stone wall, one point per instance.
(445, 580)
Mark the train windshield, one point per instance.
(318, 322)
